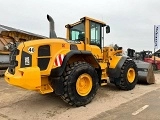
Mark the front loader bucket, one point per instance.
(145, 72)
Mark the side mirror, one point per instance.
(107, 29)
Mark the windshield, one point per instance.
(77, 32)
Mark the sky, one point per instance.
(131, 21)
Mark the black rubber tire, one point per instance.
(71, 74)
(122, 82)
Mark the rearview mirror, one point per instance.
(107, 29)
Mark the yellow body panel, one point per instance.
(29, 78)
(56, 46)
(114, 61)
(96, 51)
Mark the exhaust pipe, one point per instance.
(52, 30)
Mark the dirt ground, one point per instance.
(17, 103)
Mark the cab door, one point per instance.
(96, 39)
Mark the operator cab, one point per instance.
(88, 30)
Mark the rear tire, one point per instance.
(128, 76)
(80, 83)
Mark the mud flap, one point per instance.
(145, 72)
(57, 84)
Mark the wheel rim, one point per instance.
(84, 84)
(131, 75)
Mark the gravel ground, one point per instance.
(17, 103)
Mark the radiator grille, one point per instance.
(44, 50)
(43, 57)
(43, 63)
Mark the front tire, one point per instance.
(80, 83)
(128, 76)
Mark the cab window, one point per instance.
(95, 33)
(77, 32)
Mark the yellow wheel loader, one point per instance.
(72, 67)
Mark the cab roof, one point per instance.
(86, 18)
